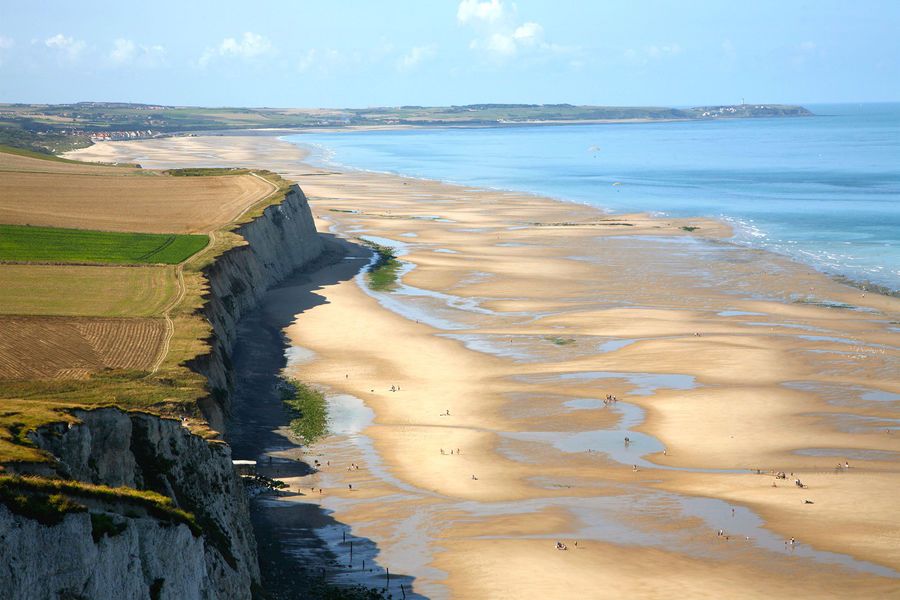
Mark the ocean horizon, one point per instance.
(824, 190)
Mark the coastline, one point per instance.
(712, 402)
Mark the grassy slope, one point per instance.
(32, 154)
(54, 245)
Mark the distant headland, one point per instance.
(55, 128)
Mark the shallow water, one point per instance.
(644, 384)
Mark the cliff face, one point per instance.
(142, 556)
(115, 448)
(281, 241)
(147, 559)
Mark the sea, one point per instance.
(824, 190)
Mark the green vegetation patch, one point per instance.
(41, 498)
(690, 228)
(41, 154)
(310, 406)
(383, 273)
(560, 341)
(206, 172)
(47, 509)
(103, 524)
(22, 243)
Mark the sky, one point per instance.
(358, 53)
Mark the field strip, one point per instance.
(179, 279)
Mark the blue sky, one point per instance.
(357, 53)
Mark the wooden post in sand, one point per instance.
(388, 578)
(351, 554)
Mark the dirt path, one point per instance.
(179, 278)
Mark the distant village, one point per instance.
(107, 136)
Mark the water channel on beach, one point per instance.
(629, 514)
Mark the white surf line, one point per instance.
(179, 278)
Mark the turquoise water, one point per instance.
(824, 190)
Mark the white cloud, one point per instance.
(490, 11)
(67, 47)
(498, 43)
(250, 45)
(529, 34)
(122, 52)
(501, 36)
(416, 56)
(509, 42)
(127, 52)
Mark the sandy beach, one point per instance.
(623, 384)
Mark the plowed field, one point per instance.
(57, 194)
(65, 347)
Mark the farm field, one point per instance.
(73, 347)
(20, 243)
(58, 194)
(105, 333)
(85, 291)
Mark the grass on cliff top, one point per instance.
(34, 154)
(310, 407)
(50, 500)
(29, 404)
(20, 243)
(205, 172)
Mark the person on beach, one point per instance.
(474, 478)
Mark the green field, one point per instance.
(94, 291)
(20, 243)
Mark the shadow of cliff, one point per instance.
(296, 539)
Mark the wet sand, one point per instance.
(519, 315)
